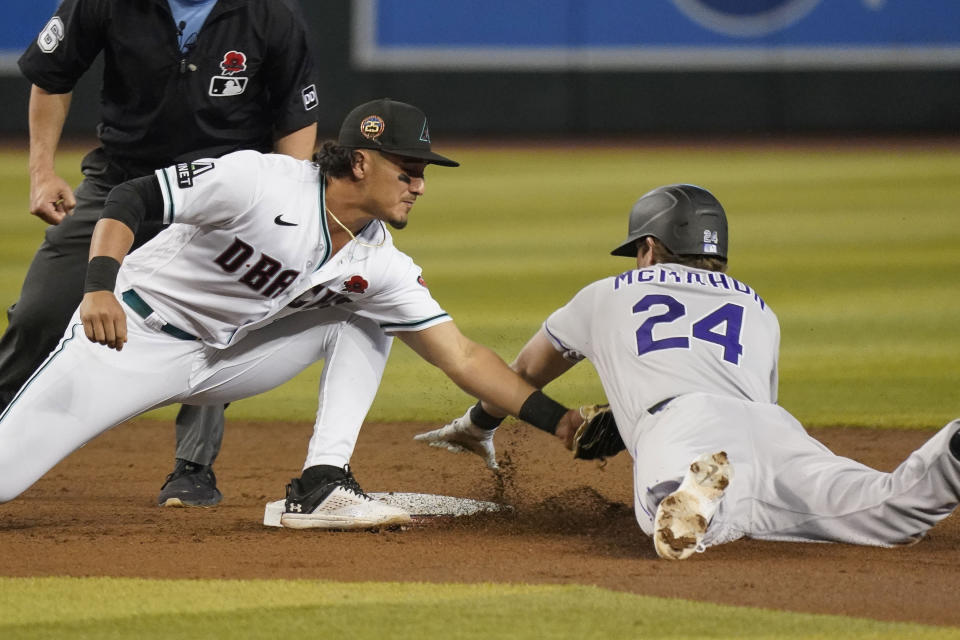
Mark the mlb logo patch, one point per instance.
(309, 95)
(224, 86)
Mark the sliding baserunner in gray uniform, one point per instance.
(688, 358)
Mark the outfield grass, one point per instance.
(856, 251)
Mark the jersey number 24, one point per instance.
(706, 328)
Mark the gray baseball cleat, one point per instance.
(337, 502)
(684, 515)
(190, 485)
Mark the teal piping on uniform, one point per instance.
(322, 201)
(166, 181)
(408, 325)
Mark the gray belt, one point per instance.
(135, 302)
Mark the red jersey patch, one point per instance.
(355, 284)
(233, 62)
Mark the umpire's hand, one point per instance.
(104, 321)
(51, 198)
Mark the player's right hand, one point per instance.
(568, 425)
(51, 198)
(462, 435)
(104, 321)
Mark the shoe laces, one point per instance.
(186, 468)
(350, 483)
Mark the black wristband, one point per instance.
(542, 412)
(482, 419)
(101, 274)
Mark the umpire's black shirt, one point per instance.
(249, 74)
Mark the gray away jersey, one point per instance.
(667, 330)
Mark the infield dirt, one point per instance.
(573, 522)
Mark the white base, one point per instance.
(418, 504)
(272, 513)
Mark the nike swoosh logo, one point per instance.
(283, 223)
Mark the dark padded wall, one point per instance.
(527, 104)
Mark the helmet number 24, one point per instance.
(721, 327)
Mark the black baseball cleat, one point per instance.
(190, 485)
(336, 501)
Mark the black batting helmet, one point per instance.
(686, 218)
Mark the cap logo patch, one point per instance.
(425, 133)
(372, 127)
(233, 62)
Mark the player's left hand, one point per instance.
(104, 321)
(462, 435)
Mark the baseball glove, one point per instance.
(597, 438)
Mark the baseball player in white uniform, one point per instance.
(687, 356)
(269, 264)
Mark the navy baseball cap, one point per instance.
(391, 126)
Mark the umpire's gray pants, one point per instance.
(52, 290)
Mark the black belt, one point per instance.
(660, 406)
(135, 302)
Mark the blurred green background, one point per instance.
(855, 248)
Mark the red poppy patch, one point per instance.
(233, 62)
(355, 284)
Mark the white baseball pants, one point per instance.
(84, 389)
(786, 485)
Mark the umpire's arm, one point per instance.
(299, 144)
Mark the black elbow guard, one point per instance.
(134, 201)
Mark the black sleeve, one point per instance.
(134, 201)
(290, 69)
(67, 45)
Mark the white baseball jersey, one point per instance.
(249, 242)
(667, 330)
(709, 343)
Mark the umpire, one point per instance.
(182, 79)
